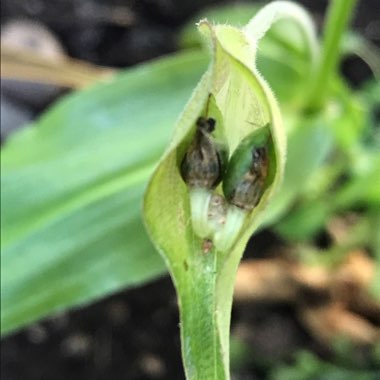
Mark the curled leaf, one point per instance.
(207, 194)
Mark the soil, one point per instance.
(134, 334)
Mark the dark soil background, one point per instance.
(135, 335)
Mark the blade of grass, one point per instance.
(338, 17)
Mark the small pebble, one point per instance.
(76, 345)
(37, 333)
(152, 366)
(31, 36)
(118, 312)
(60, 321)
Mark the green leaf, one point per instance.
(312, 140)
(307, 366)
(314, 185)
(72, 186)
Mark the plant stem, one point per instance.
(338, 17)
(201, 346)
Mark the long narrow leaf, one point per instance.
(72, 186)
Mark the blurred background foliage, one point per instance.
(73, 179)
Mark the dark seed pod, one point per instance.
(201, 166)
(245, 180)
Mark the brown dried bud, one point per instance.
(201, 166)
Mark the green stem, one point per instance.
(201, 346)
(338, 17)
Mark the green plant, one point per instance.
(201, 237)
(309, 367)
(72, 184)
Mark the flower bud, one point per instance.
(202, 163)
(247, 173)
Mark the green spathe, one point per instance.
(202, 251)
(202, 273)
